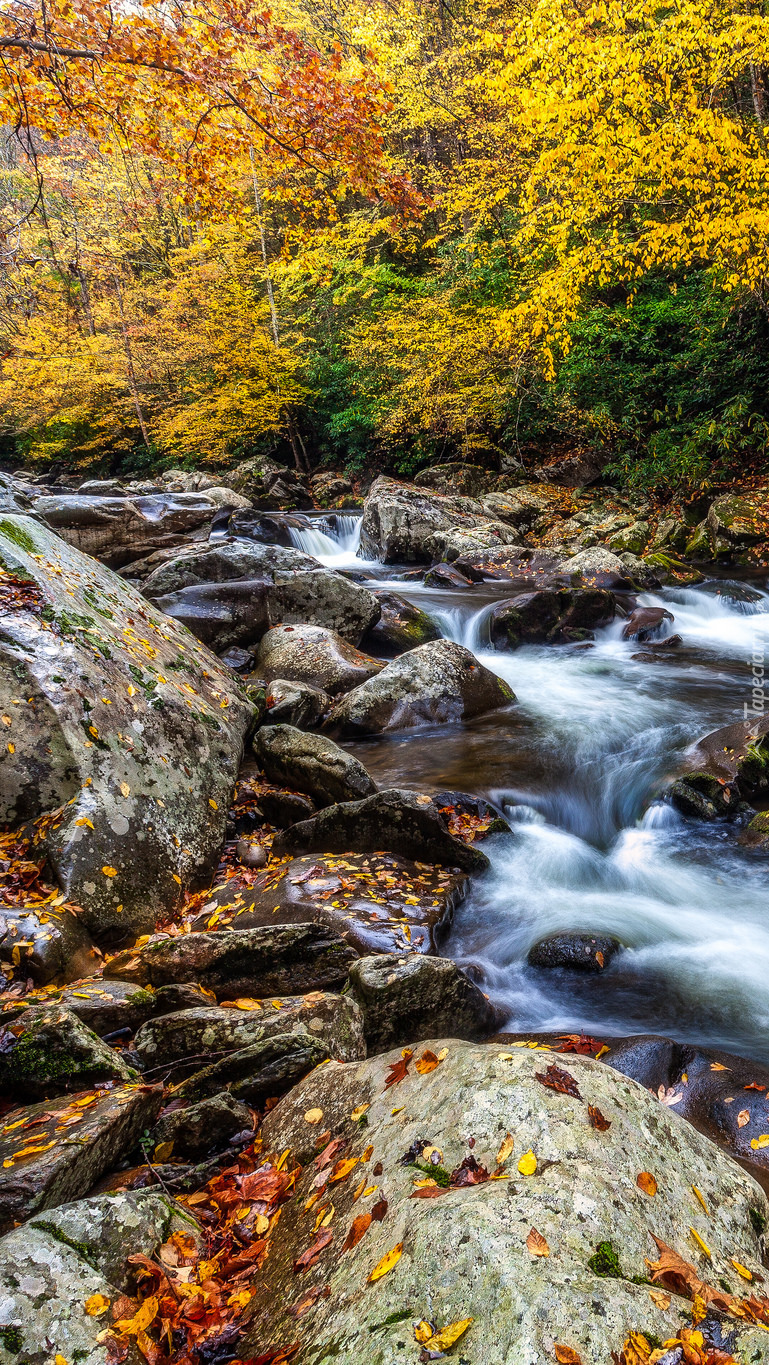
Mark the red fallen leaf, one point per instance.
(308, 1299)
(580, 1043)
(557, 1079)
(753, 1086)
(399, 1070)
(359, 1226)
(310, 1256)
(264, 1185)
(597, 1119)
(469, 1172)
(276, 1355)
(329, 1152)
(378, 1169)
(379, 1210)
(428, 1192)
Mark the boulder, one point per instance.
(50, 943)
(296, 703)
(631, 539)
(575, 952)
(457, 541)
(376, 903)
(117, 530)
(312, 763)
(551, 616)
(12, 497)
(73, 1140)
(122, 737)
(756, 834)
(406, 997)
(47, 1051)
(736, 521)
(646, 623)
(445, 575)
(402, 822)
(736, 754)
(172, 1040)
(260, 1071)
(553, 1259)
(434, 684)
(597, 566)
(104, 1006)
(703, 796)
(399, 519)
(698, 546)
(286, 586)
(197, 1130)
(456, 476)
(312, 654)
(401, 626)
(50, 1269)
(279, 960)
(223, 616)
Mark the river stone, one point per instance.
(632, 539)
(171, 1039)
(196, 1130)
(399, 519)
(296, 703)
(405, 997)
(402, 822)
(314, 655)
(703, 796)
(646, 623)
(106, 1228)
(577, 952)
(312, 763)
(737, 754)
(454, 542)
(260, 1071)
(126, 734)
(595, 565)
(446, 575)
(401, 626)
(48, 1050)
(223, 616)
(465, 1253)
(736, 520)
(117, 530)
(283, 959)
(102, 1005)
(551, 616)
(756, 835)
(53, 944)
(378, 903)
(93, 1139)
(434, 684)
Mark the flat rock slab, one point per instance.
(279, 960)
(49, 1051)
(178, 1041)
(379, 903)
(104, 1005)
(514, 1254)
(67, 1145)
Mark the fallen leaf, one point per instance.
(109, 871)
(423, 1331)
(527, 1164)
(163, 1151)
(386, 1264)
(426, 1063)
(505, 1150)
(359, 1112)
(310, 1256)
(308, 1299)
(313, 1116)
(555, 1078)
(96, 1305)
(659, 1298)
(742, 1270)
(342, 1169)
(146, 1314)
(718, 1066)
(565, 1355)
(441, 1341)
(537, 1244)
(379, 1210)
(636, 1350)
(646, 1182)
(597, 1119)
(400, 1069)
(743, 1117)
(699, 1196)
(703, 1246)
(243, 1003)
(358, 1227)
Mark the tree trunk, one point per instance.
(134, 389)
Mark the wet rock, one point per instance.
(250, 854)
(577, 952)
(457, 541)
(223, 616)
(76, 1145)
(196, 1130)
(285, 585)
(121, 725)
(311, 654)
(377, 903)
(458, 807)
(738, 754)
(117, 530)
(407, 997)
(735, 521)
(646, 622)
(260, 1071)
(756, 835)
(598, 566)
(668, 568)
(103, 1006)
(703, 796)
(631, 539)
(465, 1253)
(399, 519)
(401, 626)
(446, 576)
(398, 821)
(526, 568)
(270, 528)
(431, 685)
(47, 1050)
(313, 763)
(51, 944)
(282, 808)
(239, 660)
(170, 1041)
(280, 960)
(699, 546)
(551, 616)
(296, 703)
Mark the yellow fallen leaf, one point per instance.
(359, 1112)
(386, 1264)
(31, 1151)
(536, 1244)
(423, 1331)
(125, 789)
(109, 871)
(313, 1116)
(566, 1355)
(703, 1246)
(659, 1298)
(96, 1305)
(761, 1141)
(742, 1270)
(212, 804)
(163, 1151)
(131, 1327)
(440, 1341)
(602, 1051)
(527, 1164)
(243, 1003)
(636, 1349)
(718, 1066)
(505, 1150)
(699, 1196)
(646, 1182)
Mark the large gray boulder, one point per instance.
(401, 626)
(551, 616)
(118, 530)
(51, 943)
(400, 519)
(312, 654)
(312, 764)
(283, 585)
(296, 703)
(48, 1050)
(403, 822)
(434, 684)
(122, 736)
(410, 996)
(553, 1259)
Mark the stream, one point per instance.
(577, 766)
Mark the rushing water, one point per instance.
(577, 766)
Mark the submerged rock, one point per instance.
(577, 952)
(405, 997)
(431, 685)
(312, 763)
(123, 735)
(311, 654)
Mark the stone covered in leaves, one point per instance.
(45, 942)
(121, 734)
(454, 1244)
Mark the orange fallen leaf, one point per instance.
(659, 1298)
(358, 1227)
(743, 1117)
(597, 1119)
(537, 1244)
(646, 1182)
(95, 1305)
(400, 1069)
(426, 1063)
(310, 1256)
(505, 1150)
(565, 1355)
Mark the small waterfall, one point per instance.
(333, 539)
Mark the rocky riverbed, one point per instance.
(384, 923)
